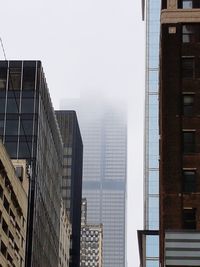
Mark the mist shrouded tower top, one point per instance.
(104, 131)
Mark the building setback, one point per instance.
(72, 177)
(180, 133)
(29, 131)
(13, 210)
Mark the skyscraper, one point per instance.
(180, 133)
(72, 177)
(29, 130)
(104, 131)
(150, 251)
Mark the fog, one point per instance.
(94, 46)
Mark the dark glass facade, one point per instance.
(72, 177)
(29, 131)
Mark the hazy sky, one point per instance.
(95, 45)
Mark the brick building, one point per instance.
(180, 133)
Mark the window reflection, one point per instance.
(3, 78)
(29, 78)
(15, 79)
(152, 246)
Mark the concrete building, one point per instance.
(148, 238)
(65, 238)
(14, 184)
(84, 211)
(91, 246)
(180, 133)
(29, 130)
(104, 132)
(91, 241)
(72, 177)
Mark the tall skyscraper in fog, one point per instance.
(104, 133)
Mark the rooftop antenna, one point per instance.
(4, 53)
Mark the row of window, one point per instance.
(184, 4)
(16, 80)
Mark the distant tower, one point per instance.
(104, 131)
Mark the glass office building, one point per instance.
(72, 177)
(29, 130)
(104, 133)
(151, 10)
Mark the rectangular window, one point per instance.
(189, 218)
(188, 67)
(191, 33)
(188, 141)
(3, 78)
(29, 78)
(188, 4)
(15, 79)
(189, 181)
(188, 104)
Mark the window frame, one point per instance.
(188, 147)
(189, 182)
(188, 108)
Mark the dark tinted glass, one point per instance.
(189, 218)
(188, 104)
(3, 78)
(2, 105)
(187, 67)
(12, 149)
(29, 78)
(15, 79)
(12, 127)
(189, 181)
(24, 150)
(26, 127)
(12, 105)
(189, 142)
(1, 127)
(27, 105)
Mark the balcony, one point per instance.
(182, 248)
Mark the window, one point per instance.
(29, 78)
(15, 79)
(188, 67)
(3, 249)
(3, 78)
(189, 218)
(5, 227)
(189, 181)
(189, 4)
(190, 33)
(188, 104)
(6, 204)
(188, 141)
